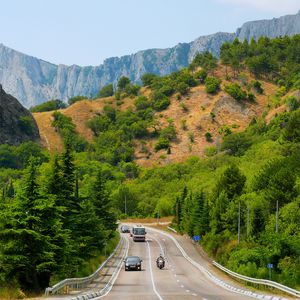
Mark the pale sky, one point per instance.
(85, 32)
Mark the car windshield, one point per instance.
(125, 227)
(133, 259)
(139, 231)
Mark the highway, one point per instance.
(178, 280)
(185, 275)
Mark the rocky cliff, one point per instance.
(16, 123)
(33, 81)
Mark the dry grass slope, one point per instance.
(193, 116)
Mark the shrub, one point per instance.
(26, 124)
(76, 99)
(212, 85)
(292, 103)
(184, 107)
(106, 91)
(257, 86)
(208, 137)
(142, 103)
(160, 101)
(162, 143)
(201, 75)
(251, 97)
(48, 106)
(210, 151)
(235, 91)
(147, 79)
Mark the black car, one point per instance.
(125, 229)
(133, 263)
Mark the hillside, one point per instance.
(32, 80)
(192, 114)
(16, 122)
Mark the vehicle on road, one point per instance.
(160, 262)
(125, 229)
(138, 233)
(133, 263)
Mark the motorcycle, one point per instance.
(160, 262)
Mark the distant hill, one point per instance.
(192, 114)
(34, 81)
(16, 123)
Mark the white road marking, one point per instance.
(151, 274)
(119, 267)
(195, 295)
(182, 286)
(175, 275)
(187, 291)
(177, 280)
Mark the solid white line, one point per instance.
(119, 267)
(151, 273)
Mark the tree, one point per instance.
(106, 91)
(147, 79)
(232, 182)
(76, 99)
(212, 85)
(32, 240)
(103, 205)
(123, 82)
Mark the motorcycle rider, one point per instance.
(160, 261)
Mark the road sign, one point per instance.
(270, 266)
(196, 238)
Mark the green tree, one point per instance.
(106, 91)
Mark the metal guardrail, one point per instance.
(77, 283)
(265, 282)
(172, 229)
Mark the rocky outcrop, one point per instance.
(16, 123)
(34, 81)
(286, 25)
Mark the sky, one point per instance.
(86, 32)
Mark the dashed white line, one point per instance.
(151, 274)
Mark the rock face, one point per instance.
(34, 81)
(286, 25)
(16, 123)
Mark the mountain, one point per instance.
(34, 81)
(16, 122)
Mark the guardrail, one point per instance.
(265, 282)
(77, 283)
(172, 229)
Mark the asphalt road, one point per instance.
(178, 280)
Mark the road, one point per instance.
(179, 280)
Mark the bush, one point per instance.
(257, 86)
(26, 124)
(160, 101)
(292, 103)
(237, 143)
(162, 143)
(235, 91)
(208, 137)
(212, 85)
(142, 103)
(147, 79)
(106, 91)
(201, 75)
(48, 106)
(210, 151)
(76, 99)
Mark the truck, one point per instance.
(138, 233)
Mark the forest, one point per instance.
(58, 211)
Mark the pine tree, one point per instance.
(32, 239)
(102, 204)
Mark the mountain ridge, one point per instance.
(33, 80)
